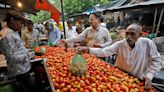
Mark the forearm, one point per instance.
(101, 52)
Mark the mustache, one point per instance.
(129, 39)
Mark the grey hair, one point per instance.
(135, 26)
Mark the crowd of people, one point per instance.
(135, 54)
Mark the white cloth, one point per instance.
(142, 60)
(101, 34)
(71, 33)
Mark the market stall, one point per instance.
(99, 77)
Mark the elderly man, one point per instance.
(95, 35)
(11, 45)
(136, 55)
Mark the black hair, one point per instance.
(97, 15)
(29, 22)
(9, 16)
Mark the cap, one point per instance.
(16, 14)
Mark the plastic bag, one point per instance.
(78, 65)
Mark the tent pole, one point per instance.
(63, 23)
(63, 18)
(159, 22)
(155, 18)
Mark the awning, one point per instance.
(140, 4)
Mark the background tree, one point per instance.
(71, 7)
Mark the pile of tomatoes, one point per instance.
(99, 77)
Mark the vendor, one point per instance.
(11, 45)
(136, 55)
(95, 35)
(54, 34)
(29, 35)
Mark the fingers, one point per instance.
(147, 83)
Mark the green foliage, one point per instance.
(75, 6)
(41, 16)
(70, 7)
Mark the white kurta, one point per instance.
(142, 60)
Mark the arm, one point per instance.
(78, 38)
(108, 39)
(23, 37)
(103, 52)
(156, 61)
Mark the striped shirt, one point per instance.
(142, 60)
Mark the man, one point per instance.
(11, 45)
(30, 36)
(95, 35)
(136, 55)
(70, 32)
(54, 34)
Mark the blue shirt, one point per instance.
(54, 36)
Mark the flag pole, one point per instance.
(63, 22)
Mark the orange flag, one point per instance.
(45, 5)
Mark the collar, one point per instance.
(97, 29)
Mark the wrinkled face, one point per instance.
(93, 21)
(132, 34)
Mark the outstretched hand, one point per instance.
(83, 49)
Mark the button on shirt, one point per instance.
(16, 54)
(101, 34)
(142, 60)
(54, 36)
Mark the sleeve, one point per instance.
(155, 62)
(58, 37)
(23, 36)
(78, 38)
(108, 40)
(104, 52)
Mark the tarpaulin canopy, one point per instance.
(110, 5)
(45, 5)
(140, 4)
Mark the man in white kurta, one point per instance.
(136, 55)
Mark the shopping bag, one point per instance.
(78, 65)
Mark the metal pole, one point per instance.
(159, 22)
(63, 18)
(155, 18)
(63, 24)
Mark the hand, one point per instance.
(77, 44)
(83, 49)
(97, 45)
(147, 82)
(63, 40)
